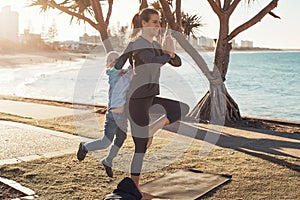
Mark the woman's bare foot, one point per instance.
(145, 195)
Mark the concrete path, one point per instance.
(21, 142)
(35, 110)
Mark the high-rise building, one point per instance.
(234, 44)
(246, 44)
(206, 42)
(9, 24)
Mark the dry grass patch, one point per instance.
(252, 177)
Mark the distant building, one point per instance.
(246, 44)
(192, 40)
(94, 39)
(9, 24)
(206, 42)
(234, 44)
(89, 42)
(31, 39)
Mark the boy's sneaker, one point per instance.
(108, 169)
(82, 151)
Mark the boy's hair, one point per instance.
(110, 56)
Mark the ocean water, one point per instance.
(264, 84)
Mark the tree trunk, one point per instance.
(217, 103)
(214, 109)
(204, 109)
(101, 26)
(105, 40)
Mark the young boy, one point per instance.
(116, 121)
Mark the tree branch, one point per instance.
(226, 5)
(254, 20)
(218, 2)
(169, 16)
(177, 34)
(215, 7)
(67, 11)
(110, 4)
(178, 12)
(233, 6)
(98, 13)
(144, 4)
(274, 15)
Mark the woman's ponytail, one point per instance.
(135, 26)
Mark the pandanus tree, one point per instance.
(89, 11)
(217, 105)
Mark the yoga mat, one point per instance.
(184, 184)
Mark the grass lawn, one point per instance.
(255, 175)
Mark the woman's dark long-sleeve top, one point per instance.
(147, 58)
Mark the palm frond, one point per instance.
(44, 4)
(190, 23)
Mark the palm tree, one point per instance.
(190, 24)
(220, 105)
(89, 11)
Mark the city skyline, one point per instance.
(9, 30)
(263, 34)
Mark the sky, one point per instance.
(269, 32)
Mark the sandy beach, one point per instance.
(256, 174)
(28, 59)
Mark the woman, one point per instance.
(147, 56)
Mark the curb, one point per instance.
(283, 122)
(29, 194)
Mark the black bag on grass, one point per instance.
(126, 190)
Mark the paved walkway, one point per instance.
(35, 110)
(21, 142)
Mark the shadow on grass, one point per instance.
(262, 148)
(268, 126)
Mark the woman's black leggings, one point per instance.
(139, 109)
